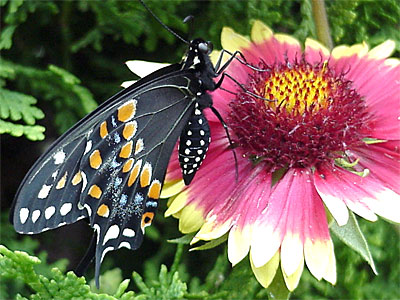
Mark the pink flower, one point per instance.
(326, 143)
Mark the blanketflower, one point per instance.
(326, 142)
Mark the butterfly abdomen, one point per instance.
(193, 145)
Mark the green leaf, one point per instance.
(33, 133)
(109, 281)
(122, 288)
(185, 239)
(6, 71)
(351, 235)
(6, 36)
(167, 287)
(277, 289)
(211, 244)
(17, 106)
(19, 265)
(66, 76)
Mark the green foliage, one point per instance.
(371, 21)
(352, 236)
(19, 265)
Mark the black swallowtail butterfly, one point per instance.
(110, 166)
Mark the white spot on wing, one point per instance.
(88, 146)
(84, 180)
(35, 215)
(59, 157)
(23, 214)
(112, 233)
(108, 249)
(124, 244)
(96, 227)
(128, 232)
(49, 212)
(89, 210)
(54, 175)
(65, 208)
(44, 191)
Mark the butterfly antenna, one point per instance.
(162, 23)
(189, 20)
(218, 115)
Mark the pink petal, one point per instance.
(379, 84)
(363, 195)
(238, 211)
(383, 160)
(273, 51)
(294, 212)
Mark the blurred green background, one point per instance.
(60, 59)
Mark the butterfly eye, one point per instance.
(203, 47)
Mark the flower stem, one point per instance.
(321, 23)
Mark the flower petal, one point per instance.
(211, 229)
(363, 195)
(191, 218)
(232, 41)
(172, 188)
(177, 203)
(320, 259)
(144, 68)
(266, 273)
(346, 51)
(383, 50)
(315, 51)
(292, 281)
(283, 220)
(383, 161)
(260, 32)
(291, 253)
(238, 243)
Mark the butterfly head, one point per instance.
(198, 53)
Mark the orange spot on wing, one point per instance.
(103, 129)
(127, 111)
(95, 159)
(147, 218)
(62, 181)
(126, 150)
(145, 176)
(103, 211)
(129, 130)
(128, 165)
(134, 173)
(77, 178)
(95, 191)
(154, 190)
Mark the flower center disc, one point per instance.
(313, 115)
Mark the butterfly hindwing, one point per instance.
(125, 160)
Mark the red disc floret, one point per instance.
(304, 123)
